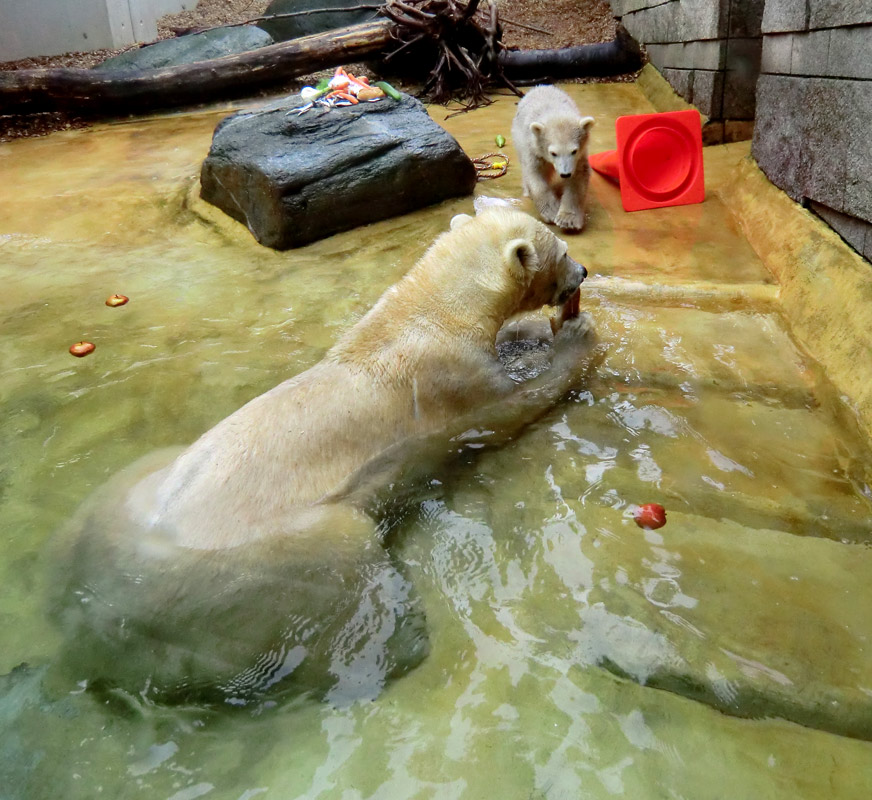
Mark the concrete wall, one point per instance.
(709, 50)
(813, 136)
(48, 27)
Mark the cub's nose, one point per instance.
(565, 174)
(583, 271)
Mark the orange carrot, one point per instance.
(344, 96)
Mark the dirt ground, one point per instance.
(527, 24)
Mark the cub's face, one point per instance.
(562, 142)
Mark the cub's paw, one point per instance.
(548, 208)
(569, 220)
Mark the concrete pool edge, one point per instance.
(826, 287)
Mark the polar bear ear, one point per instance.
(536, 129)
(520, 256)
(459, 220)
(584, 125)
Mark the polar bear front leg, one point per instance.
(543, 195)
(575, 353)
(570, 215)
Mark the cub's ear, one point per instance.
(584, 125)
(520, 257)
(536, 129)
(459, 220)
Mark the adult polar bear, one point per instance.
(244, 560)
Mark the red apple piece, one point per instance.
(81, 349)
(650, 516)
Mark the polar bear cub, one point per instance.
(550, 136)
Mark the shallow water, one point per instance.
(547, 607)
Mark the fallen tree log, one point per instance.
(109, 92)
(104, 93)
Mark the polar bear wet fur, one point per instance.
(550, 136)
(261, 538)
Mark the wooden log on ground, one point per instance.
(98, 92)
(105, 93)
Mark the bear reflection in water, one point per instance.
(253, 560)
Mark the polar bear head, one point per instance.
(561, 141)
(517, 258)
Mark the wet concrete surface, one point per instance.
(551, 614)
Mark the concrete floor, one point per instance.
(734, 391)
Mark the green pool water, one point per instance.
(572, 655)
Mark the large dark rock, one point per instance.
(294, 179)
(214, 43)
(341, 13)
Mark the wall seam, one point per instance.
(726, 70)
(822, 28)
(816, 75)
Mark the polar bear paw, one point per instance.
(573, 343)
(574, 332)
(579, 327)
(548, 208)
(569, 220)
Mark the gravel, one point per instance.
(527, 24)
(209, 14)
(565, 22)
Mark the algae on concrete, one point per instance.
(533, 574)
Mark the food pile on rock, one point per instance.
(344, 89)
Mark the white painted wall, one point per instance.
(48, 27)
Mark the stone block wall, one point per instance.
(709, 50)
(813, 135)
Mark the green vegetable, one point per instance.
(500, 140)
(388, 90)
(323, 85)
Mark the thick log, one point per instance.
(618, 57)
(110, 92)
(96, 91)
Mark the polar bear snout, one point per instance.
(575, 275)
(565, 166)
